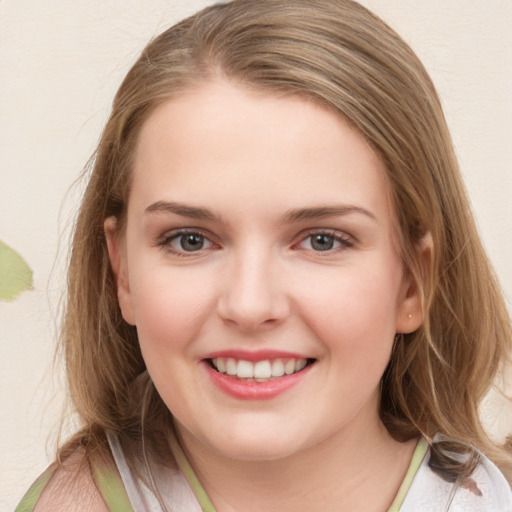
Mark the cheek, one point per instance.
(354, 312)
(170, 308)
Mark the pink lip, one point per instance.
(254, 356)
(246, 390)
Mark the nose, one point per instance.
(253, 296)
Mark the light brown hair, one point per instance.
(340, 55)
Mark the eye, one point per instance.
(322, 242)
(189, 242)
(185, 241)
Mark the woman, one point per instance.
(277, 295)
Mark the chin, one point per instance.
(257, 444)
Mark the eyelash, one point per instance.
(345, 241)
(165, 241)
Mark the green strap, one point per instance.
(417, 458)
(186, 469)
(111, 488)
(28, 502)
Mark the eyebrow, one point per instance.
(321, 212)
(183, 210)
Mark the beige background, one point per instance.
(60, 64)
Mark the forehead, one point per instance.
(248, 145)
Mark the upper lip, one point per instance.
(254, 355)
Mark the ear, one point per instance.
(117, 256)
(410, 313)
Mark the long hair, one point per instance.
(337, 53)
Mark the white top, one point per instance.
(489, 492)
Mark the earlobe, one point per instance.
(119, 269)
(410, 309)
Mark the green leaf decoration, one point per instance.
(15, 274)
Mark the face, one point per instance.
(260, 269)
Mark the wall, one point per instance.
(60, 64)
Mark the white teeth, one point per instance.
(245, 369)
(277, 368)
(220, 364)
(289, 367)
(300, 364)
(231, 366)
(260, 371)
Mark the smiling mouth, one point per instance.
(260, 371)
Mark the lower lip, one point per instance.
(247, 390)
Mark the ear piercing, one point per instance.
(409, 316)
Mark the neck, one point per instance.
(355, 469)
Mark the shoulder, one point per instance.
(68, 487)
(486, 490)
